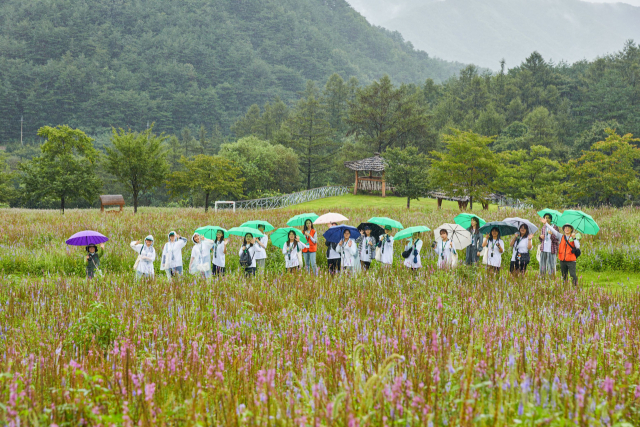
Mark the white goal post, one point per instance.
(233, 204)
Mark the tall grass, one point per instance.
(389, 348)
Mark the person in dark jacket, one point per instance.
(93, 259)
(474, 249)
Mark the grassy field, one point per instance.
(363, 201)
(393, 347)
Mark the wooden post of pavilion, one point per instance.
(355, 187)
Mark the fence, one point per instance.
(294, 198)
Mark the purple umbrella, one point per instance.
(86, 238)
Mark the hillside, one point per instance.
(484, 32)
(101, 63)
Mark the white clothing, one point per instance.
(172, 254)
(147, 256)
(260, 252)
(348, 253)
(252, 254)
(386, 246)
(367, 251)
(201, 254)
(291, 254)
(333, 254)
(219, 257)
(546, 243)
(445, 251)
(413, 261)
(493, 253)
(521, 247)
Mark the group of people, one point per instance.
(208, 257)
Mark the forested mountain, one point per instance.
(484, 32)
(94, 64)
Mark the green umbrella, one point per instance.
(580, 221)
(299, 220)
(408, 232)
(241, 231)
(555, 215)
(211, 231)
(281, 236)
(255, 224)
(383, 221)
(464, 220)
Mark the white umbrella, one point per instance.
(460, 237)
(517, 222)
(330, 217)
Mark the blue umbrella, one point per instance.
(334, 234)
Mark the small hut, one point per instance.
(111, 200)
(375, 180)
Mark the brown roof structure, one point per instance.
(374, 164)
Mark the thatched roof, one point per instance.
(112, 200)
(375, 164)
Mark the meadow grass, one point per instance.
(393, 347)
(368, 201)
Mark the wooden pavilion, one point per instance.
(111, 200)
(375, 180)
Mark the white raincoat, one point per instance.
(219, 257)
(414, 260)
(386, 247)
(200, 255)
(348, 253)
(291, 254)
(172, 253)
(445, 251)
(147, 256)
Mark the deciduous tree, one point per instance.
(408, 172)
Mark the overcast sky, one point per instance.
(632, 2)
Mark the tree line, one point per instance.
(542, 133)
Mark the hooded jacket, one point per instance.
(147, 256)
(200, 254)
(172, 252)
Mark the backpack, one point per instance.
(245, 259)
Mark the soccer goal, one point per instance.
(223, 203)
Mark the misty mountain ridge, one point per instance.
(484, 32)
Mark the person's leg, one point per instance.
(138, 275)
(572, 272)
(512, 267)
(312, 262)
(305, 257)
(178, 271)
(564, 269)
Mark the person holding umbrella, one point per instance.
(495, 248)
(445, 249)
(475, 248)
(385, 243)
(568, 250)
(548, 247)
(333, 256)
(247, 254)
(309, 253)
(172, 255)
(347, 248)
(261, 250)
(521, 244)
(290, 251)
(219, 251)
(93, 259)
(200, 263)
(414, 245)
(146, 257)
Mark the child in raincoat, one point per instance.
(347, 248)
(290, 251)
(172, 255)
(413, 261)
(146, 257)
(93, 259)
(385, 243)
(445, 249)
(200, 263)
